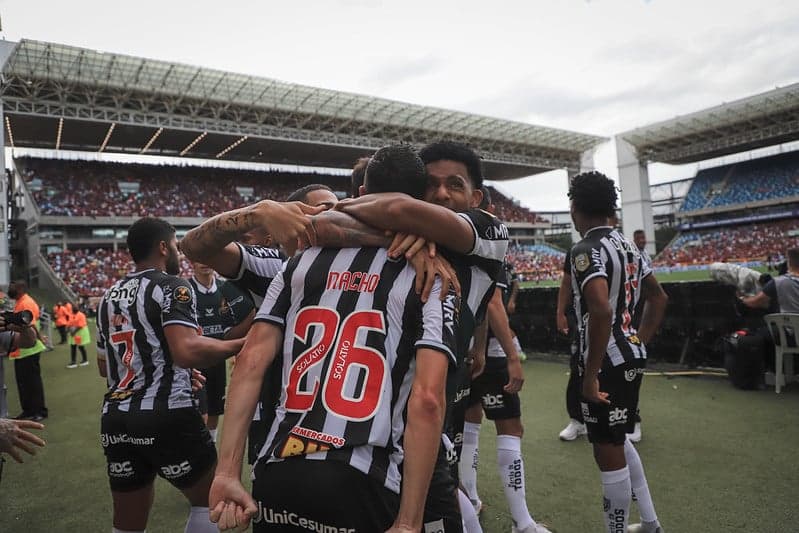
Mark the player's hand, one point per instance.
(14, 438)
(287, 222)
(427, 269)
(10, 327)
(231, 505)
(511, 307)
(562, 323)
(406, 244)
(515, 375)
(197, 380)
(591, 392)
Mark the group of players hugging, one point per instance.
(369, 337)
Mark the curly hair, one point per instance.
(396, 168)
(455, 151)
(593, 194)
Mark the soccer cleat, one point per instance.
(635, 436)
(532, 528)
(573, 430)
(84, 363)
(72, 365)
(645, 527)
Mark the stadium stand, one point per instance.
(736, 244)
(90, 272)
(748, 181)
(539, 262)
(509, 210)
(92, 188)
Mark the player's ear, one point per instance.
(477, 197)
(163, 248)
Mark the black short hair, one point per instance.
(593, 194)
(486, 201)
(396, 168)
(145, 234)
(639, 232)
(301, 194)
(358, 172)
(455, 151)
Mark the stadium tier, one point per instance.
(736, 244)
(509, 210)
(749, 181)
(91, 188)
(539, 262)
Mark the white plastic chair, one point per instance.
(784, 330)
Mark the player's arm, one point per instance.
(564, 295)
(514, 292)
(600, 315)
(498, 322)
(230, 503)
(189, 349)
(240, 330)
(401, 213)
(761, 300)
(655, 301)
(422, 439)
(212, 242)
(336, 229)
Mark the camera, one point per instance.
(22, 318)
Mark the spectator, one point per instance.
(26, 359)
(79, 337)
(784, 290)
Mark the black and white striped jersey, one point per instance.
(131, 317)
(607, 253)
(352, 323)
(259, 265)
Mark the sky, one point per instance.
(595, 66)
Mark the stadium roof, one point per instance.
(62, 97)
(765, 119)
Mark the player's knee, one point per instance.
(511, 426)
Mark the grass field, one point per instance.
(717, 459)
(671, 277)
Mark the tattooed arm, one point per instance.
(340, 230)
(212, 242)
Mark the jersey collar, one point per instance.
(203, 289)
(596, 228)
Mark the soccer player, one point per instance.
(359, 348)
(608, 277)
(474, 242)
(147, 342)
(496, 391)
(315, 195)
(224, 312)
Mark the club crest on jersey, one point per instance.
(581, 263)
(182, 294)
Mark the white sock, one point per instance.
(511, 473)
(471, 524)
(467, 468)
(639, 484)
(199, 522)
(517, 345)
(213, 434)
(616, 489)
(115, 530)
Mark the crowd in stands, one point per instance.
(92, 188)
(539, 262)
(748, 181)
(736, 244)
(509, 210)
(90, 272)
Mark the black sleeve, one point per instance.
(259, 264)
(770, 290)
(567, 263)
(490, 235)
(179, 303)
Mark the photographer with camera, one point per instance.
(26, 356)
(13, 336)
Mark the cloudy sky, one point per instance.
(597, 66)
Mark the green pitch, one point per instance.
(718, 459)
(693, 275)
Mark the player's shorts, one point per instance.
(489, 389)
(299, 494)
(175, 444)
(215, 383)
(457, 417)
(441, 509)
(609, 424)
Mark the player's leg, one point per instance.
(132, 508)
(215, 387)
(470, 458)
(576, 426)
(197, 494)
(442, 507)
(471, 523)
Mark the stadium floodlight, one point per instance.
(193, 143)
(158, 132)
(10, 135)
(58, 135)
(231, 147)
(107, 136)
